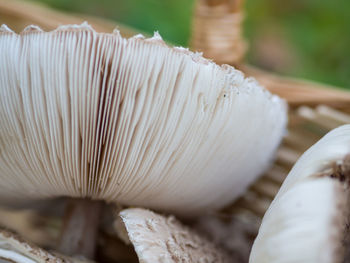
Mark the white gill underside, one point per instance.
(130, 120)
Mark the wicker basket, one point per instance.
(315, 109)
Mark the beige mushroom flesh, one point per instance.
(158, 238)
(14, 249)
(96, 117)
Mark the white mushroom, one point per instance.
(16, 250)
(157, 238)
(96, 116)
(308, 221)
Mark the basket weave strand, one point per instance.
(217, 31)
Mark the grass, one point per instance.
(301, 38)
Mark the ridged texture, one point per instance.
(217, 31)
(157, 238)
(95, 115)
(306, 221)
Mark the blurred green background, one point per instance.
(301, 38)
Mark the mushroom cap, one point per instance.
(158, 238)
(15, 249)
(306, 222)
(86, 114)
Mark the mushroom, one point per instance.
(157, 238)
(308, 221)
(15, 250)
(93, 116)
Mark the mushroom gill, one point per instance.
(94, 116)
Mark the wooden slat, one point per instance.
(301, 92)
(18, 14)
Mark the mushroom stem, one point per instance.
(80, 226)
